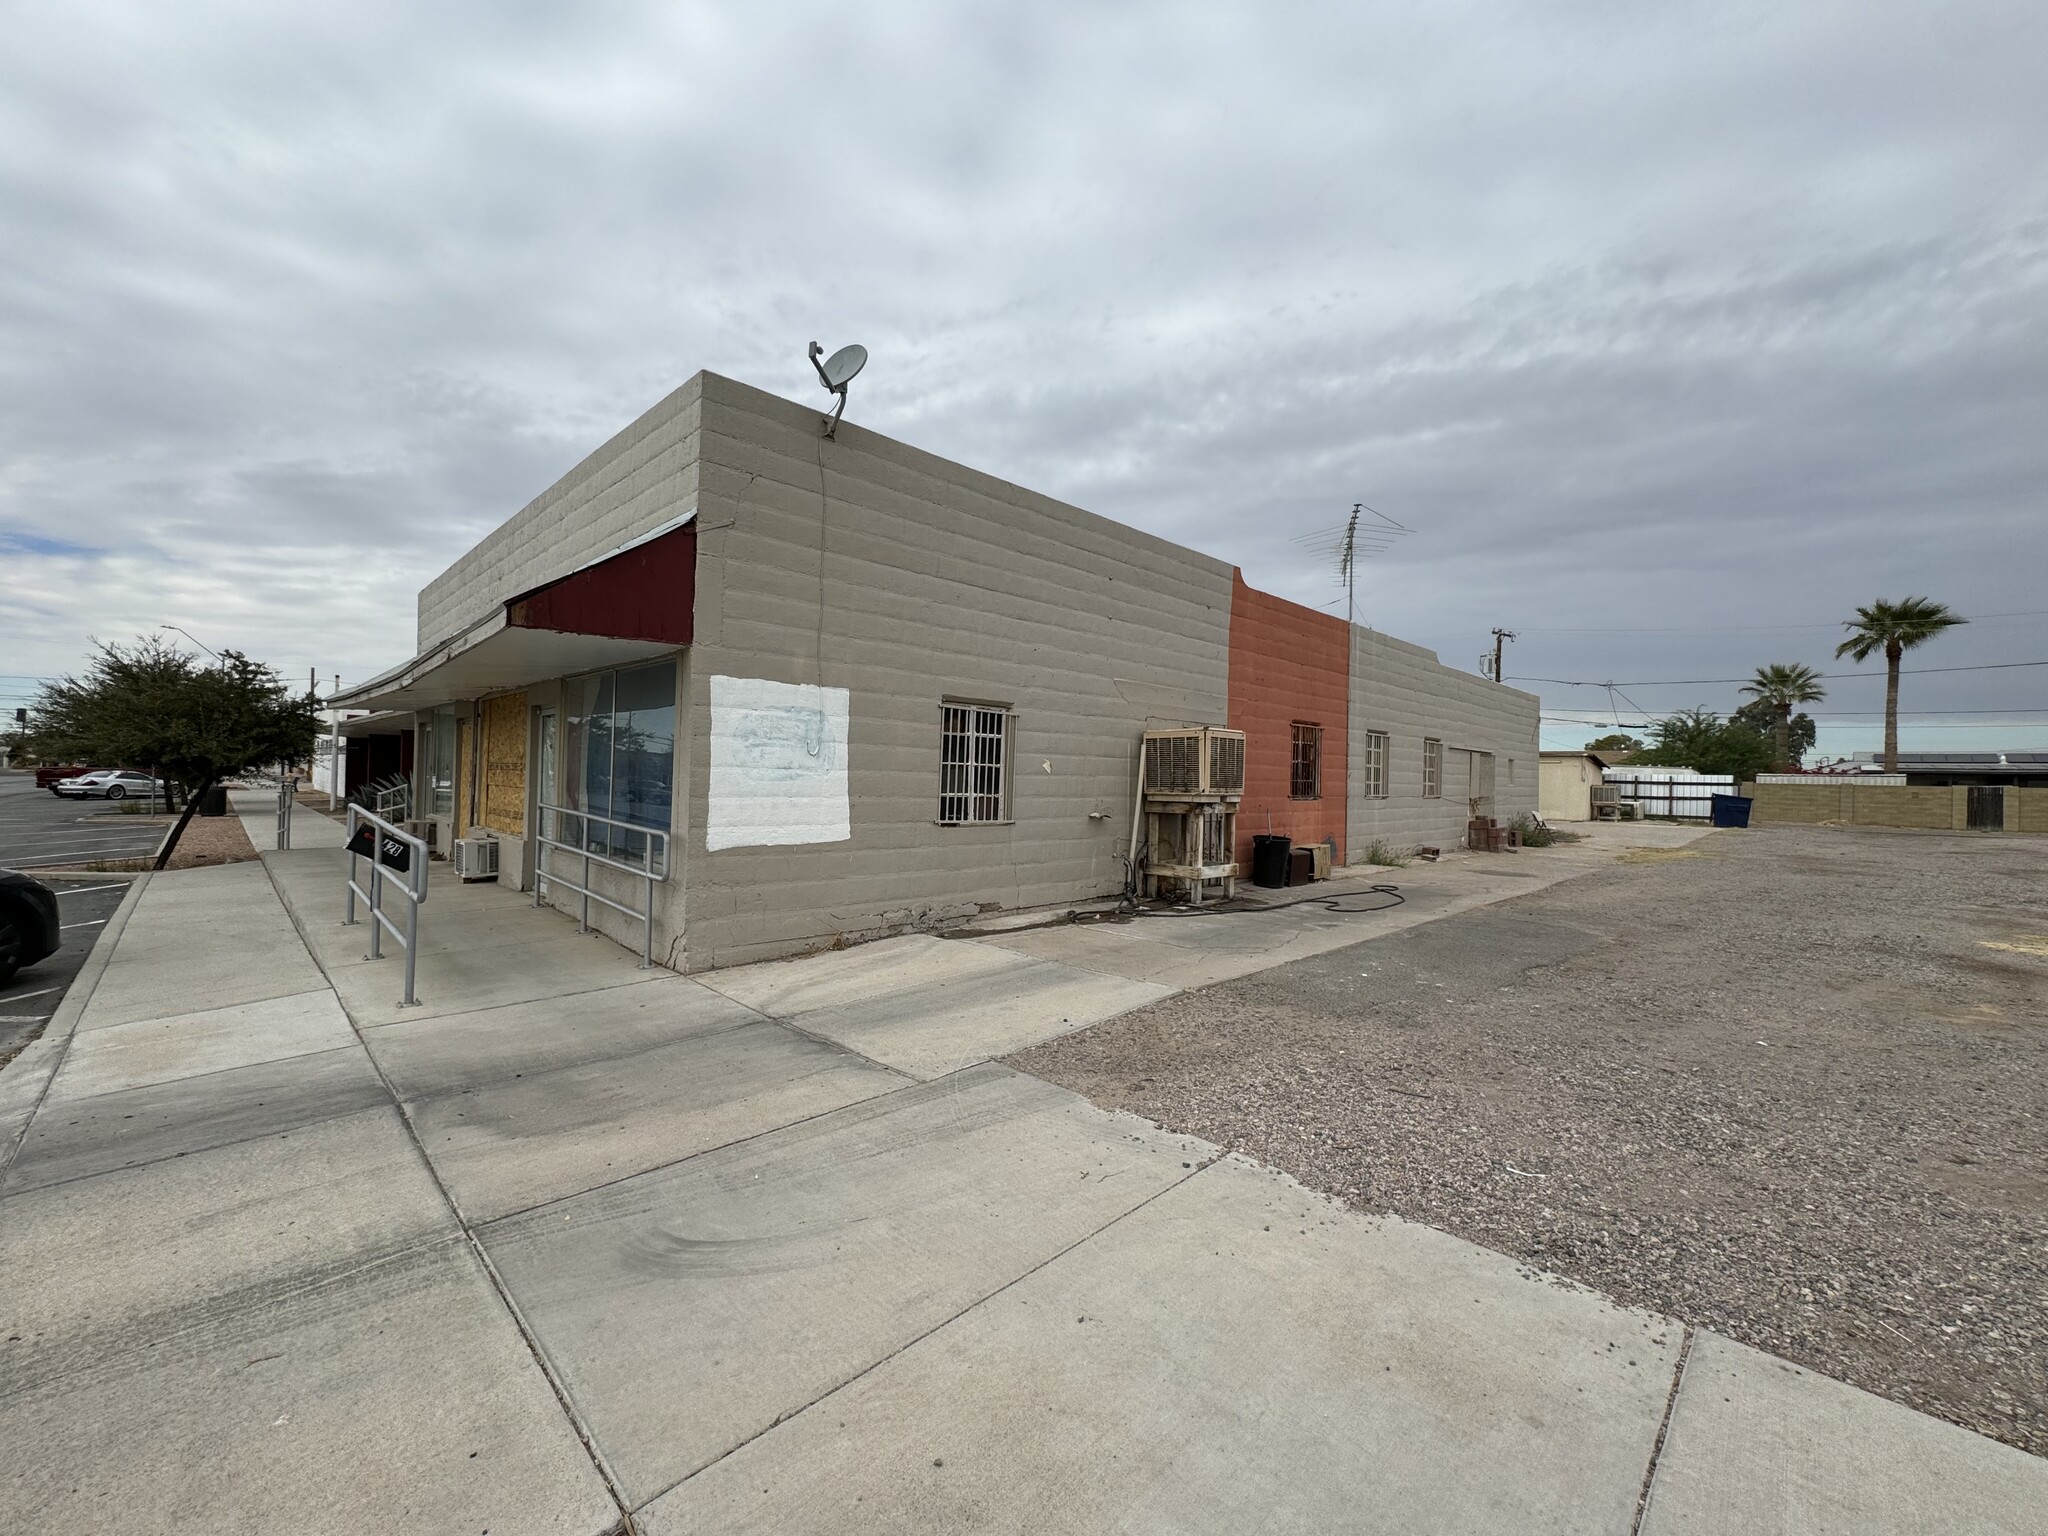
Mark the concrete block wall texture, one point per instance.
(1404, 691)
(865, 564)
(1288, 664)
(1942, 808)
(1798, 804)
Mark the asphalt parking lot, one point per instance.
(37, 828)
(28, 1000)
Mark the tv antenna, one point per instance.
(835, 373)
(1357, 540)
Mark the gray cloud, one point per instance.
(1682, 325)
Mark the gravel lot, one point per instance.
(1790, 1084)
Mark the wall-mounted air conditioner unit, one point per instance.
(1194, 780)
(476, 858)
(1207, 760)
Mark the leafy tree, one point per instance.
(1894, 628)
(1702, 740)
(151, 705)
(1615, 742)
(1776, 690)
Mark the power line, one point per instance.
(1874, 714)
(1751, 629)
(1839, 725)
(1701, 682)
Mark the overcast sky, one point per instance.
(1674, 333)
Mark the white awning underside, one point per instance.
(491, 658)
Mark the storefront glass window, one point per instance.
(621, 752)
(441, 763)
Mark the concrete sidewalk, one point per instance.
(311, 828)
(785, 1248)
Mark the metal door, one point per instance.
(1987, 808)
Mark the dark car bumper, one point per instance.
(33, 906)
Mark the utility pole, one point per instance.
(1348, 569)
(1500, 638)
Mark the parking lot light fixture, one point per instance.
(193, 638)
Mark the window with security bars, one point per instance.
(1307, 775)
(1375, 765)
(973, 763)
(1432, 768)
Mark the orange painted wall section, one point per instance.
(1288, 663)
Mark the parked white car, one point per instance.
(111, 784)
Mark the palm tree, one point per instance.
(1894, 628)
(1780, 688)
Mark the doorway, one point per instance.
(543, 764)
(1987, 808)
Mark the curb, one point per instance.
(56, 1037)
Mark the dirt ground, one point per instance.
(213, 840)
(1790, 1084)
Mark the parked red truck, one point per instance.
(49, 778)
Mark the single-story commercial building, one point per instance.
(831, 689)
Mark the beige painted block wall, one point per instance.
(1403, 690)
(869, 565)
(644, 476)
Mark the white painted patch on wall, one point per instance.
(778, 764)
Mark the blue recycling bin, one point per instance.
(1732, 810)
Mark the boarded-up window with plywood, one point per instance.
(504, 765)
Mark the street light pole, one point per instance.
(194, 639)
(334, 749)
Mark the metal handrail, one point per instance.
(413, 888)
(396, 799)
(657, 841)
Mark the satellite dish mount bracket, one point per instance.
(835, 373)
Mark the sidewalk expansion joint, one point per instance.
(497, 1281)
(943, 1323)
(1663, 1431)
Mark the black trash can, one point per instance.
(1732, 810)
(214, 802)
(1270, 859)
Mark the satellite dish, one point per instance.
(842, 365)
(835, 373)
